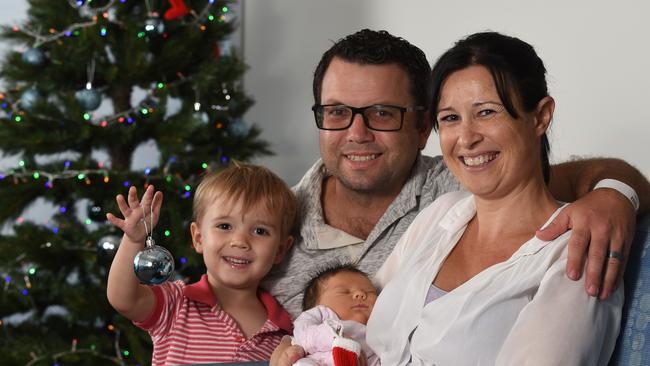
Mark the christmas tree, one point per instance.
(87, 84)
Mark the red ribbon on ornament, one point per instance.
(177, 10)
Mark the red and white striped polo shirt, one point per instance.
(188, 327)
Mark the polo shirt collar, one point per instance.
(329, 237)
(275, 312)
(201, 292)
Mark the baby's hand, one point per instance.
(286, 354)
(134, 211)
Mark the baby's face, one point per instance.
(350, 295)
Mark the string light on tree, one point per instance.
(84, 9)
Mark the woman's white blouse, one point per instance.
(523, 311)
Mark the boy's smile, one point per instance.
(239, 245)
(237, 262)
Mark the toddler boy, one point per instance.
(243, 217)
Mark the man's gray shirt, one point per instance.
(318, 244)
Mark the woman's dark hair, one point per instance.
(369, 47)
(516, 69)
(313, 288)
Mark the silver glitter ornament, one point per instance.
(154, 26)
(238, 128)
(29, 98)
(89, 99)
(153, 265)
(95, 212)
(33, 56)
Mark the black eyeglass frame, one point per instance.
(361, 111)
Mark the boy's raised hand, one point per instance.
(135, 211)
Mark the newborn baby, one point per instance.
(332, 331)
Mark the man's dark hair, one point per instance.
(518, 74)
(313, 288)
(369, 47)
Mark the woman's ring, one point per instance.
(615, 254)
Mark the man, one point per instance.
(370, 183)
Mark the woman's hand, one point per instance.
(285, 354)
(137, 214)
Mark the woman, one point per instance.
(470, 284)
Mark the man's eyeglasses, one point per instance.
(378, 117)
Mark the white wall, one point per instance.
(12, 14)
(596, 53)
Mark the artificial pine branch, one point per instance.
(150, 84)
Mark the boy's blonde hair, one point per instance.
(252, 184)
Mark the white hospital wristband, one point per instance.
(622, 188)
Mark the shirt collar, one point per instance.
(200, 292)
(309, 191)
(462, 212)
(275, 312)
(459, 215)
(329, 237)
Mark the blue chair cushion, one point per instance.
(633, 345)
